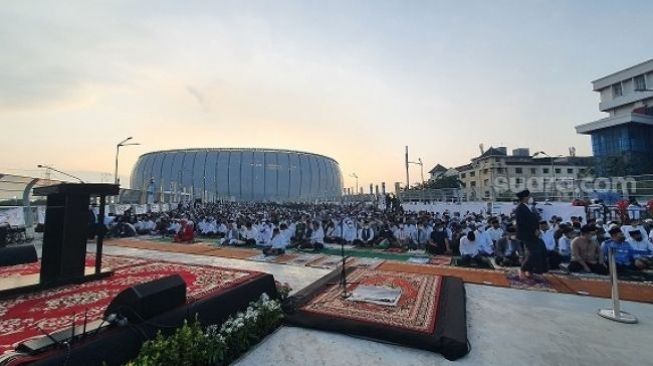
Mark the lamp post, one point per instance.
(118, 146)
(353, 175)
(47, 167)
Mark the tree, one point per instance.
(441, 183)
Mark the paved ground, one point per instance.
(506, 327)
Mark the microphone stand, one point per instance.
(343, 272)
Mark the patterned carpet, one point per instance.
(416, 310)
(54, 309)
(438, 265)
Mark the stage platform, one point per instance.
(212, 292)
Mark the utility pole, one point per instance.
(407, 175)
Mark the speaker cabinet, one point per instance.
(141, 302)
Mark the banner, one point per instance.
(13, 216)
(140, 209)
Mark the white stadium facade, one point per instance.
(240, 174)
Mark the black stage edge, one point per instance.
(448, 339)
(117, 345)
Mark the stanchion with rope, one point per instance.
(615, 313)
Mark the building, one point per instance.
(622, 142)
(496, 175)
(437, 172)
(240, 174)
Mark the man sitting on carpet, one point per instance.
(585, 253)
(642, 249)
(470, 252)
(438, 242)
(623, 252)
(278, 243)
(547, 236)
(365, 236)
(187, 232)
(509, 249)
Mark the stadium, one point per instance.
(239, 174)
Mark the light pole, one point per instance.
(353, 175)
(118, 146)
(47, 167)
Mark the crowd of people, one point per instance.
(479, 239)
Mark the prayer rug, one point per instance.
(535, 283)
(108, 262)
(55, 308)
(304, 259)
(441, 260)
(419, 260)
(369, 263)
(329, 262)
(416, 310)
(262, 258)
(429, 315)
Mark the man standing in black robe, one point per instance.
(527, 232)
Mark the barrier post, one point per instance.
(615, 313)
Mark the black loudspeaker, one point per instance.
(141, 302)
(21, 254)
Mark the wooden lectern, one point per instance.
(66, 230)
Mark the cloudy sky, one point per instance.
(354, 80)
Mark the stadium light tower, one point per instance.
(118, 146)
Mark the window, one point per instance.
(640, 82)
(545, 170)
(616, 90)
(570, 171)
(581, 170)
(500, 170)
(472, 174)
(518, 170)
(486, 182)
(463, 175)
(558, 170)
(533, 171)
(518, 180)
(485, 171)
(472, 184)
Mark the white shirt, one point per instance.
(468, 247)
(279, 241)
(495, 234)
(317, 236)
(641, 245)
(548, 239)
(564, 245)
(627, 228)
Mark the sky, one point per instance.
(353, 80)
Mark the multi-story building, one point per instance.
(496, 175)
(623, 141)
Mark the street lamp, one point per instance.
(421, 164)
(353, 175)
(118, 146)
(47, 167)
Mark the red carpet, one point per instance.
(416, 310)
(53, 309)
